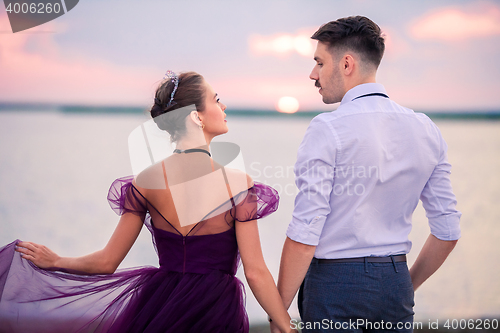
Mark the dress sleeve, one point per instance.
(123, 197)
(257, 202)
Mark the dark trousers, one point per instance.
(356, 297)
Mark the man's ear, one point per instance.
(348, 64)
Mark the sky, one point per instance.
(440, 55)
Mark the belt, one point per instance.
(397, 258)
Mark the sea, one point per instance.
(57, 163)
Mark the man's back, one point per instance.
(384, 157)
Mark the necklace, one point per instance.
(193, 150)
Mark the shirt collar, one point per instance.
(362, 89)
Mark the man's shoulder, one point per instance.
(343, 114)
(354, 109)
(329, 116)
(349, 118)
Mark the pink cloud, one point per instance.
(283, 44)
(395, 44)
(455, 23)
(46, 75)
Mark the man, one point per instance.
(360, 172)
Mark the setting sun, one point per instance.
(288, 104)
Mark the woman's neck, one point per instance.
(185, 144)
(195, 139)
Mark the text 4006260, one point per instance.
(472, 324)
(33, 8)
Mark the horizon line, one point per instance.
(480, 113)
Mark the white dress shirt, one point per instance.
(360, 172)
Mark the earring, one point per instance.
(202, 126)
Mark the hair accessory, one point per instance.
(175, 80)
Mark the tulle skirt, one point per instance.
(142, 299)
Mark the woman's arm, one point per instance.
(258, 276)
(104, 261)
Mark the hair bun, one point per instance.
(189, 91)
(156, 110)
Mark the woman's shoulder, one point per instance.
(151, 178)
(239, 184)
(238, 178)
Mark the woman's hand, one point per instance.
(103, 261)
(40, 255)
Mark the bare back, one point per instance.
(190, 193)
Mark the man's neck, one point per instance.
(358, 81)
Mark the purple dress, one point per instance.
(193, 290)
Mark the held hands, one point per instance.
(40, 255)
(274, 329)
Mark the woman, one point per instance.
(203, 219)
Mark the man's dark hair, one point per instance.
(354, 33)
